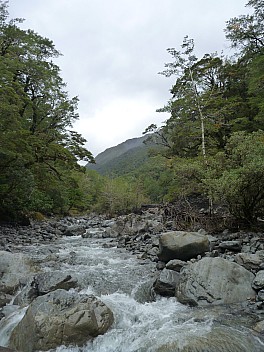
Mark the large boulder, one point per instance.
(60, 318)
(214, 281)
(182, 245)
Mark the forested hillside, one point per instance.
(123, 158)
(211, 146)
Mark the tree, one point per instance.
(156, 177)
(120, 195)
(240, 184)
(186, 86)
(205, 102)
(246, 32)
(36, 136)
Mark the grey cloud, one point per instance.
(113, 50)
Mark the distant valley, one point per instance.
(123, 158)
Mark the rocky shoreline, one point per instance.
(198, 268)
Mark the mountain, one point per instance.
(123, 158)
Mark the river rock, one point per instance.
(4, 298)
(214, 281)
(258, 282)
(259, 327)
(14, 266)
(51, 281)
(130, 225)
(175, 264)
(250, 261)
(218, 339)
(6, 349)
(60, 318)
(74, 230)
(42, 284)
(234, 246)
(134, 224)
(260, 296)
(182, 245)
(94, 233)
(167, 282)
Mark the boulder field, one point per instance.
(196, 267)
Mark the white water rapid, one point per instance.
(142, 322)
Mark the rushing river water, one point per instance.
(143, 322)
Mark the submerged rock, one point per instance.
(61, 318)
(182, 245)
(214, 281)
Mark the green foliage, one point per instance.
(156, 177)
(188, 175)
(120, 195)
(16, 186)
(211, 95)
(104, 194)
(256, 88)
(240, 185)
(247, 32)
(213, 137)
(90, 184)
(37, 146)
(40, 202)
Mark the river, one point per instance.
(143, 322)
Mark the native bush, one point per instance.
(240, 185)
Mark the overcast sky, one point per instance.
(113, 50)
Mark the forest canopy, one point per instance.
(39, 151)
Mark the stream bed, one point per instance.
(143, 321)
